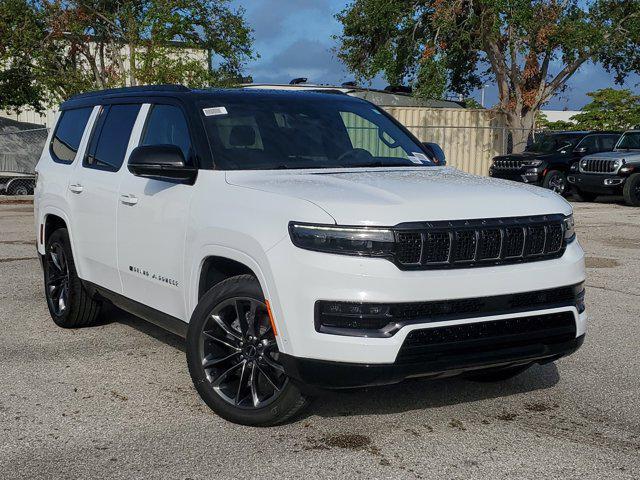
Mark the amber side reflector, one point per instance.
(273, 324)
(42, 234)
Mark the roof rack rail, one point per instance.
(136, 89)
(298, 81)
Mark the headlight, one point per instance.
(618, 163)
(569, 229)
(575, 167)
(367, 241)
(532, 163)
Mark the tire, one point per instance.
(495, 374)
(583, 196)
(631, 190)
(78, 308)
(19, 190)
(556, 181)
(233, 365)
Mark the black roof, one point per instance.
(180, 91)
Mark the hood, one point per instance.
(387, 196)
(628, 155)
(529, 156)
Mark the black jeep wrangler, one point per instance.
(547, 161)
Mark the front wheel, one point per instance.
(555, 181)
(632, 190)
(233, 357)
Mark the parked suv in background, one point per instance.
(548, 160)
(611, 173)
(299, 240)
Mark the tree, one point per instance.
(530, 48)
(610, 109)
(74, 46)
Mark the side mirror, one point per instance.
(435, 153)
(161, 162)
(581, 150)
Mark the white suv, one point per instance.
(298, 240)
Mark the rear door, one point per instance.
(152, 219)
(93, 197)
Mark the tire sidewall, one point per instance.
(61, 236)
(275, 412)
(632, 183)
(550, 175)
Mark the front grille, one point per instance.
(597, 165)
(507, 164)
(475, 339)
(468, 243)
(385, 319)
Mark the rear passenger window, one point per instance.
(166, 125)
(111, 137)
(66, 139)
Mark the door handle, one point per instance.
(76, 188)
(129, 199)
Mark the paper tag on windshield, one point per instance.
(418, 158)
(211, 111)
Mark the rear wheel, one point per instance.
(583, 196)
(631, 190)
(556, 181)
(496, 374)
(70, 304)
(233, 357)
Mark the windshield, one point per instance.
(552, 143)
(629, 141)
(258, 133)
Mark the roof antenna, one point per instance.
(298, 81)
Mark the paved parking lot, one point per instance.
(116, 401)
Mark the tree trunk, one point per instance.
(521, 127)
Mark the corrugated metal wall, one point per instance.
(45, 118)
(469, 138)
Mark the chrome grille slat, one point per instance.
(480, 243)
(597, 165)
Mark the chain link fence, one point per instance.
(19, 154)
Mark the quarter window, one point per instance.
(166, 125)
(66, 139)
(111, 137)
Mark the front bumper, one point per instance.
(299, 278)
(597, 183)
(530, 175)
(335, 375)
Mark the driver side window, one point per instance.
(365, 135)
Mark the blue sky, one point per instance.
(294, 39)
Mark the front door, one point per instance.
(93, 194)
(152, 221)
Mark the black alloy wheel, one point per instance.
(233, 356)
(239, 354)
(57, 278)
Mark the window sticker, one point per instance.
(418, 158)
(212, 111)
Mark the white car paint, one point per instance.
(171, 229)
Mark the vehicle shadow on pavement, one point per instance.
(426, 393)
(113, 314)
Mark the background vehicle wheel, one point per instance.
(631, 190)
(69, 303)
(233, 356)
(556, 181)
(19, 190)
(582, 196)
(496, 374)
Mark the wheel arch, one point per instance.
(50, 220)
(216, 263)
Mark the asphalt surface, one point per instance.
(116, 401)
